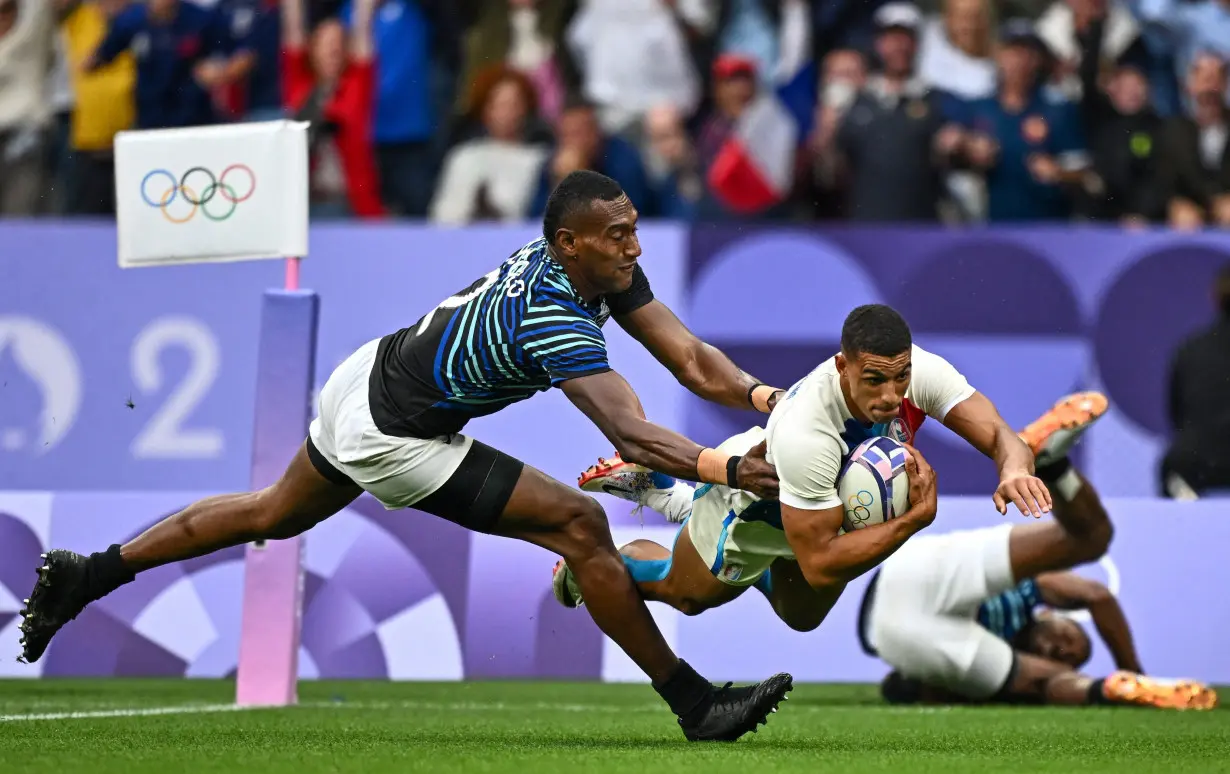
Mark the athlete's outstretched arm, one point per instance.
(1069, 591)
(608, 400)
(978, 421)
(828, 559)
(703, 369)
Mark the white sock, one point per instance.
(677, 504)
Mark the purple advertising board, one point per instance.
(403, 595)
(1026, 314)
(127, 394)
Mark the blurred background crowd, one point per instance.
(954, 111)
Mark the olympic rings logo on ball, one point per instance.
(856, 506)
(211, 188)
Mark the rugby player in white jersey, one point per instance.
(795, 551)
(963, 617)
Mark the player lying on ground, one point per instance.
(880, 384)
(390, 424)
(954, 614)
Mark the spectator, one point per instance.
(1193, 27)
(417, 42)
(1197, 164)
(823, 180)
(893, 137)
(954, 54)
(250, 75)
(1066, 21)
(334, 88)
(1199, 455)
(1026, 139)
(27, 30)
(528, 36)
(673, 166)
(173, 41)
(494, 176)
(1125, 148)
(472, 124)
(734, 90)
(103, 103)
(635, 55)
(582, 145)
(1124, 135)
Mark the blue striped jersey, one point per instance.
(1008, 614)
(520, 329)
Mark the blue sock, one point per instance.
(647, 570)
(661, 480)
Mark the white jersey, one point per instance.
(810, 434)
(811, 431)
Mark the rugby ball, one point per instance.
(874, 485)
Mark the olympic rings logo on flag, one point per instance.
(216, 188)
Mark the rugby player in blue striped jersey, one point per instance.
(391, 419)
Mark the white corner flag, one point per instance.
(212, 193)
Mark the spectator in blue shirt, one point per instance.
(255, 55)
(581, 145)
(173, 41)
(416, 40)
(1026, 139)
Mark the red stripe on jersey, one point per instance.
(909, 419)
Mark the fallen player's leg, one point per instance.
(947, 610)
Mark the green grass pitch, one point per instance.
(165, 726)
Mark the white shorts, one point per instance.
(396, 471)
(923, 617)
(738, 546)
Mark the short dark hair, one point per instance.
(574, 194)
(875, 329)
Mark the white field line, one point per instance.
(202, 709)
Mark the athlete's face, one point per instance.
(1060, 639)
(875, 385)
(604, 245)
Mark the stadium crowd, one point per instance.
(955, 111)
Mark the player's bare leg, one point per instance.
(544, 512)
(67, 581)
(1080, 531)
(678, 578)
(1052, 682)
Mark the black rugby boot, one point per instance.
(729, 713)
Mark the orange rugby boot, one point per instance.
(1054, 433)
(1131, 688)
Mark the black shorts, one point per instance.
(474, 496)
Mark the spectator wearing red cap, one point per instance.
(739, 142)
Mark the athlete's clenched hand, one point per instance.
(756, 475)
